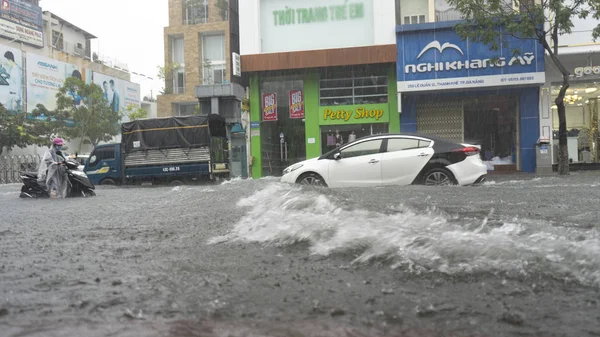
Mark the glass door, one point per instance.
(283, 137)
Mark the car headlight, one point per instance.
(292, 168)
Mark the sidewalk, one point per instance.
(507, 176)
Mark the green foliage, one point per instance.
(135, 112)
(166, 74)
(94, 119)
(18, 131)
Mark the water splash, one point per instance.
(418, 240)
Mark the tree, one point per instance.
(208, 72)
(541, 20)
(16, 130)
(166, 74)
(135, 112)
(94, 119)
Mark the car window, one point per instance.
(424, 143)
(362, 149)
(400, 144)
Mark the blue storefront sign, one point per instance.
(22, 21)
(437, 59)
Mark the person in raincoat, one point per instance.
(52, 170)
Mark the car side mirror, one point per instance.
(337, 156)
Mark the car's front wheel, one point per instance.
(311, 179)
(438, 177)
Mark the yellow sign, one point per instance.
(346, 114)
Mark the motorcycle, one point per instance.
(78, 184)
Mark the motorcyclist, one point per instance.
(52, 170)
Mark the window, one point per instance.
(213, 55)
(414, 19)
(104, 153)
(353, 87)
(362, 149)
(400, 144)
(179, 79)
(196, 13)
(57, 40)
(187, 109)
(177, 52)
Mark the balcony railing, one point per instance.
(448, 15)
(195, 21)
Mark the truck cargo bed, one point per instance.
(167, 157)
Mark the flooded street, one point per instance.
(513, 257)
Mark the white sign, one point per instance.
(472, 82)
(585, 71)
(237, 64)
(311, 140)
(293, 25)
(17, 32)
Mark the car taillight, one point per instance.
(468, 150)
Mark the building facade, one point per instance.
(200, 42)
(581, 56)
(39, 50)
(462, 91)
(320, 73)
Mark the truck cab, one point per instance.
(104, 165)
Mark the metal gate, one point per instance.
(441, 119)
(12, 166)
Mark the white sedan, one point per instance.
(392, 159)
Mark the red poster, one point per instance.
(269, 102)
(296, 104)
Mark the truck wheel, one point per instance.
(176, 183)
(108, 182)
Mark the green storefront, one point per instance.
(301, 114)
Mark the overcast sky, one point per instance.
(128, 30)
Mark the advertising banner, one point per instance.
(296, 104)
(11, 79)
(44, 78)
(269, 103)
(118, 93)
(21, 21)
(438, 59)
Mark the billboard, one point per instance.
(46, 76)
(117, 92)
(285, 24)
(439, 59)
(11, 79)
(22, 21)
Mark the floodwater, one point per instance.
(517, 256)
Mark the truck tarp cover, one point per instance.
(171, 132)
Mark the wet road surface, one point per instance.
(514, 257)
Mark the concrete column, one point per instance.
(214, 105)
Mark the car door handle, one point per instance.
(373, 161)
(423, 155)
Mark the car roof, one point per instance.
(408, 134)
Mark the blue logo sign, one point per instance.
(47, 65)
(439, 59)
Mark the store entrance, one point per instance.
(492, 122)
(283, 140)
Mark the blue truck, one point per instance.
(171, 150)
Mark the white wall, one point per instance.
(151, 108)
(259, 34)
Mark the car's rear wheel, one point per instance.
(438, 177)
(312, 179)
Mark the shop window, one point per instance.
(362, 149)
(352, 87)
(335, 135)
(401, 144)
